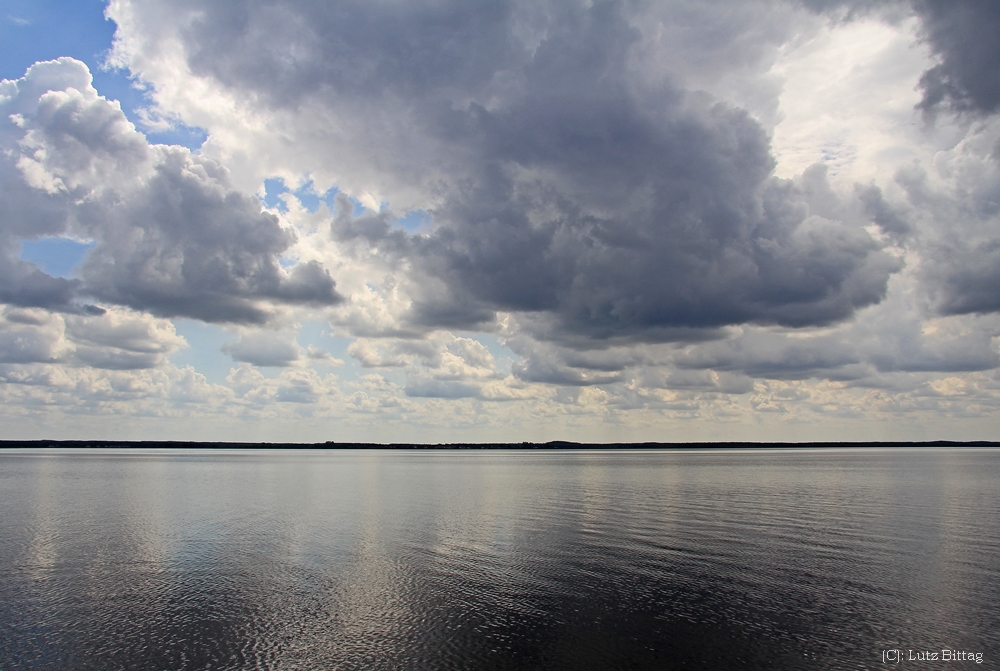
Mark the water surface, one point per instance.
(750, 559)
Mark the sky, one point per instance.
(442, 221)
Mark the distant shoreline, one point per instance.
(551, 445)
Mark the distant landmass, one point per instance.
(551, 445)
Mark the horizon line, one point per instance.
(526, 445)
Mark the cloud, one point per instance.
(264, 348)
(972, 278)
(580, 204)
(302, 387)
(317, 354)
(759, 354)
(173, 236)
(27, 213)
(441, 365)
(114, 340)
(23, 284)
(955, 204)
(559, 180)
(120, 340)
(705, 380)
(882, 213)
(548, 363)
(960, 33)
(431, 388)
(963, 35)
(82, 392)
(603, 200)
(375, 355)
(122, 330)
(30, 336)
(884, 341)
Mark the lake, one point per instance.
(499, 559)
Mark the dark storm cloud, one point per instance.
(173, 236)
(620, 211)
(552, 363)
(600, 202)
(967, 280)
(964, 278)
(551, 368)
(762, 355)
(891, 222)
(191, 246)
(963, 33)
(961, 254)
(23, 284)
(287, 51)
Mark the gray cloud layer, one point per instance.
(571, 183)
(562, 186)
(571, 179)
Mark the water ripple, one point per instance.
(496, 560)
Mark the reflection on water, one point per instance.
(495, 559)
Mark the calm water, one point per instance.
(497, 560)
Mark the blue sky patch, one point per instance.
(43, 30)
(414, 221)
(309, 198)
(205, 351)
(319, 335)
(273, 188)
(181, 134)
(58, 257)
